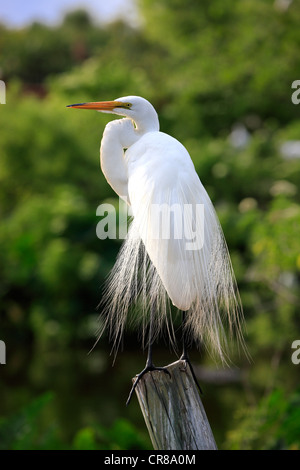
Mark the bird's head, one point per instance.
(134, 107)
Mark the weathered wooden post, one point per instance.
(173, 410)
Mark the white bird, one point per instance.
(175, 248)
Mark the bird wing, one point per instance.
(168, 204)
(175, 221)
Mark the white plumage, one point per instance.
(175, 248)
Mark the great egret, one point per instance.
(189, 265)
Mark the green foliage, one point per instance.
(272, 425)
(27, 430)
(34, 53)
(22, 430)
(228, 59)
(209, 68)
(122, 435)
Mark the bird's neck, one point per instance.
(147, 123)
(118, 135)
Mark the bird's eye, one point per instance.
(123, 105)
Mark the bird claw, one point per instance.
(147, 369)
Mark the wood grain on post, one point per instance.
(173, 410)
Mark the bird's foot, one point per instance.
(148, 368)
(186, 358)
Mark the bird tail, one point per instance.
(134, 287)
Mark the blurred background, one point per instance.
(220, 75)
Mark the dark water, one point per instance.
(86, 389)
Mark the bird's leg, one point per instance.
(149, 363)
(185, 355)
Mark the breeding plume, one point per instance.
(175, 251)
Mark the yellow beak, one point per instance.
(100, 105)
